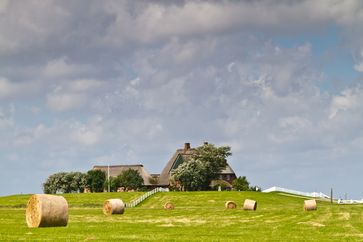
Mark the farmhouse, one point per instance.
(152, 180)
(182, 155)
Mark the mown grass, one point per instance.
(198, 216)
(74, 199)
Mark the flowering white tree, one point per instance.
(202, 168)
(65, 182)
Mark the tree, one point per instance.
(130, 179)
(113, 184)
(241, 184)
(53, 183)
(78, 181)
(95, 180)
(192, 175)
(203, 167)
(65, 182)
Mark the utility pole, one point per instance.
(331, 195)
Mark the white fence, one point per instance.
(306, 194)
(349, 201)
(137, 201)
(312, 194)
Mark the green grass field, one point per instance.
(198, 216)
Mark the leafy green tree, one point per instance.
(95, 180)
(130, 179)
(192, 175)
(203, 167)
(113, 184)
(53, 184)
(241, 184)
(78, 181)
(65, 182)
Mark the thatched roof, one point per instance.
(180, 156)
(118, 169)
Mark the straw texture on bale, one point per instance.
(310, 205)
(113, 206)
(230, 205)
(169, 206)
(249, 205)
(46, 211)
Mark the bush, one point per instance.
(241, 184)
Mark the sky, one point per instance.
(86, 83)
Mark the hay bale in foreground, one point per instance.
(46, 211)
(249, 205)
(113, 206)
(310, 205)
(169, 206)
(230, 205)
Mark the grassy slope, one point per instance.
(198, 216)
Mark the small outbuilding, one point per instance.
(116, 170)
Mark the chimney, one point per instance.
(186, 146)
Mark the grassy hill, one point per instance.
(198, 216)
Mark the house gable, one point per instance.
(178, 161)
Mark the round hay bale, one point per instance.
(169, 206)
(46, 211)
(310, 205)
(250, 205)
(113, 206)
(230, 205)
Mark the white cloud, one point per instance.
(126, 23)
(66, 101)
(72, 94)
(6, 118)
(164, 96)
(59, 68)
(347, 100)
(85, 137)
(155, 21)
(294, 123)
(3, 6)
(359, 66)
(83, 85)
(10, 89)
(30, 24)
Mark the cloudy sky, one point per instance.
(86, 83)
